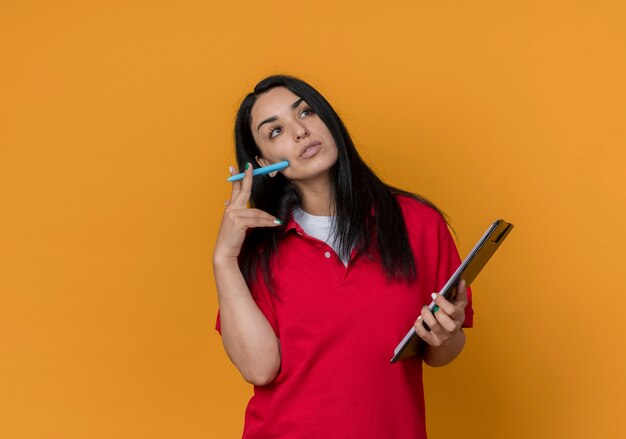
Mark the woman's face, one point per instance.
(284, 127)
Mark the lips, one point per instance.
(310, 149)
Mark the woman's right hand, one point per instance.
(238, 218)
(248, 337)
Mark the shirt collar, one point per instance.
(292, 224)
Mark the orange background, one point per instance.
(115, 138)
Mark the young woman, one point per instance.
(322, 275)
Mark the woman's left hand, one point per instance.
(446, 321)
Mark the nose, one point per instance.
(300, 131)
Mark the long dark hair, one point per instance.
(365, 207)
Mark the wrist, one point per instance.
(444, 353)
(221, 261)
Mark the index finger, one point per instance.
(236, 188)
(246, 187)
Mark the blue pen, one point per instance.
(260, 171)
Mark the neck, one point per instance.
(316, 197)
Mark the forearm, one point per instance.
(248, 338)
(437, 356)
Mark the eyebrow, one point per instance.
(274, 118)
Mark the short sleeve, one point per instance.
(447, 264)
(263, 299)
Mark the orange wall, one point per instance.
(115, 138)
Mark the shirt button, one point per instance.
(327, 255)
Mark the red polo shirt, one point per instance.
(338, 327)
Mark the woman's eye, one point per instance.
(306, 112)
(274, 131)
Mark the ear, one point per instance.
(261, 161)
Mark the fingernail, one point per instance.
(434, 295)
(277, 221)
(419, 318)
(435, 309)
(247, 166)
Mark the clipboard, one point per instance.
(411, 344)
